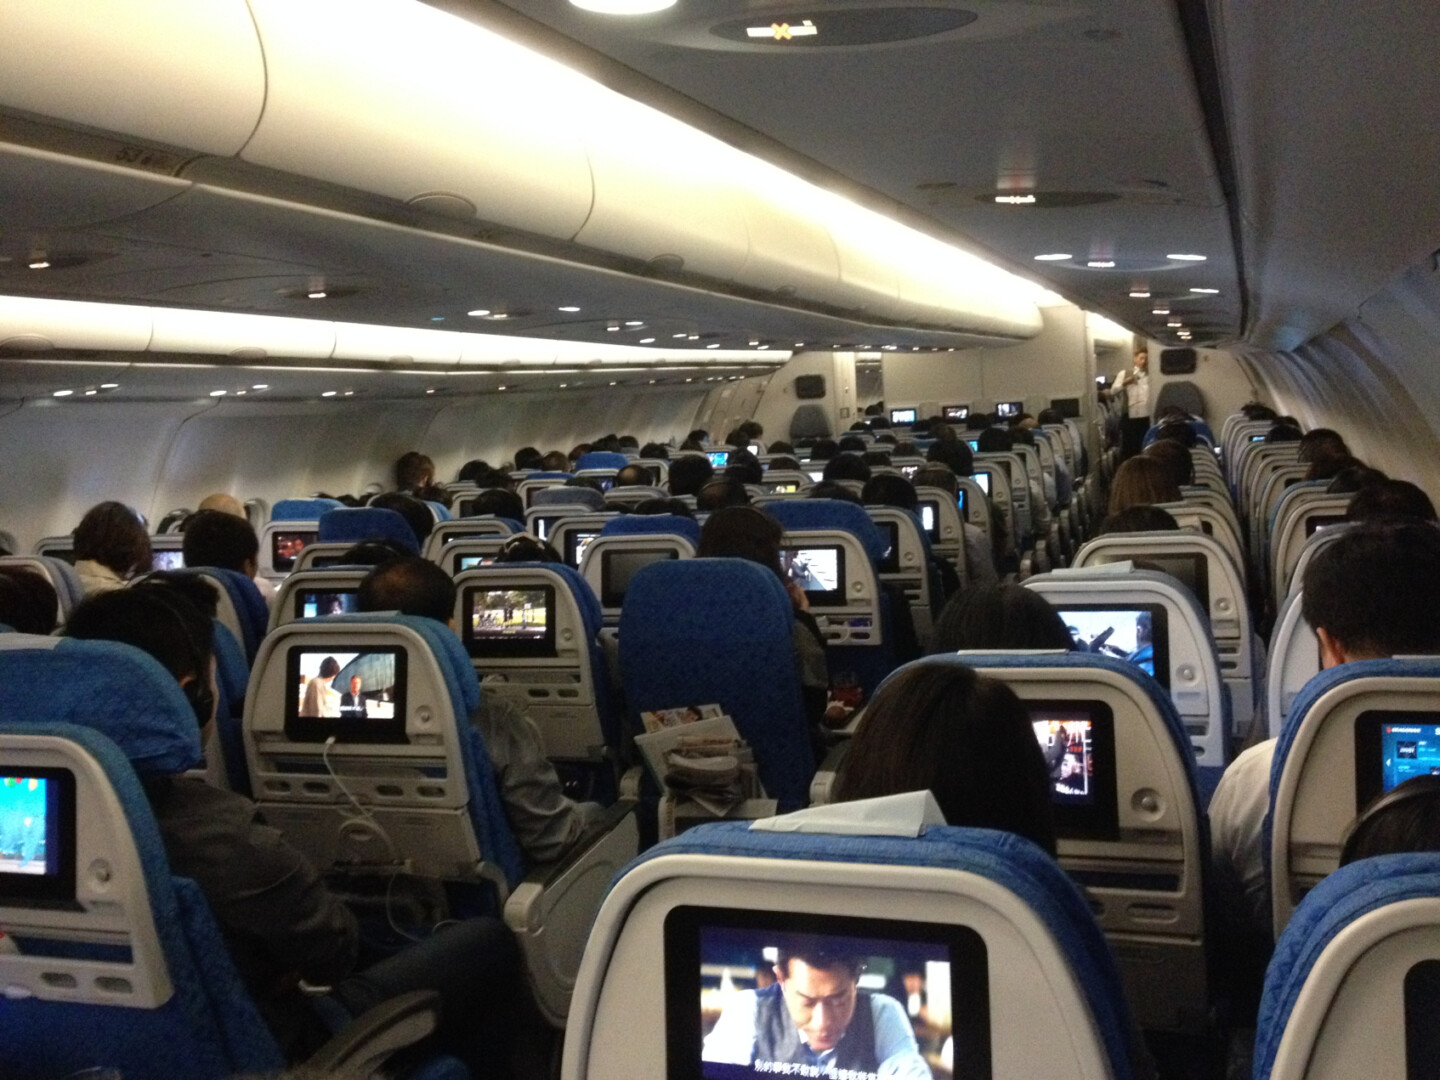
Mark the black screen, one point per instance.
(723, 963)
(1078, 741)
(1422, 1033)
(509, 622)
(310, 603)
(37, 836)
(285, 548)
(889, 562)
(353, 694)
(618, 567)
(1136, 633)
(1191, 569)
(819, 570)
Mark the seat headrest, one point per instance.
(651, 524)
(438, 510)
(352, 525)
(249, 605)
(302, 509)
(569, 496)
(795, 514)
(542, 475)
(116, 689)
(600, 459)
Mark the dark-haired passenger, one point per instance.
(1405, 818)
(999, 617)
(28, 604)
(1139, 518)
(689, 473)
(1390, 500)
(219, 539)
(111, 547)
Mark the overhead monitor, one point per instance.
(1136, 633)
(285, 547)
(955, 412)
(509, 622)
(914, 996)
(819, 569)
(619, 565)
(1390, 748)
(1008, 410)
(351, 693)
(311, 603)
(904, 416)
(37, 836)
(1077, 739)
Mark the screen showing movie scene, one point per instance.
(1067, 739)
(509, 622)
(983, 480)
(816, 475)
(718, 458)
(312, 603)
(1127, 633)
(469, 562)
(161, 559)
(820, 571)
(1008, 409)
(825, 996)
(928, 513)
(788, 488)
(576, 544)
(909, 471)
(355, 695)
(37, 835)
(974, 445)
(956, 412)
(618, 567)
(285, 548)
(902, 416)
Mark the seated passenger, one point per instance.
(815, 1016)
(689, 473)
(545, 822)
(1174, 457)
(1141, 481)
(847, 465)
(721, 492)
(980, 555)
(832, 489)
(1390, 500)
(225, 503)
(279, 921)
(1142, 518)
(999, 617)
(657, 505)
(744, 467)
(655, 451)
(964, 738)
(1371, 593)
(555, 461)
(501, 503)
(215, 538)
(28, 604)
(413, 471)
(527, 457)
(745, 532)
(1405, 818)
(111, 546)
(416, 514)
(632, 476)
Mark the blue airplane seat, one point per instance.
(302, 509)
(642, 524)
(1334, 988)
(440, 511)
(251, 613)
(601, 459)
(232, 676)
(565, 495)
(830, 514)
(718, 631)
(61, 575)
(352, 525)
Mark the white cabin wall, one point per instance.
(157, 456)
(775, 406)
(729, 403)
(1222, 378)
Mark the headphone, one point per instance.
(1417, 787)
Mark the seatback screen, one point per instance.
(469, 562)
(509, 622)
(310, 603)
(285, 547)
(576, 543)
(37, 835)
(1191, 569)
(1077, 739)
(890, 534)
(718, 458)
(1390, 748)
(956, 412)
(929, 519)
(1422, 1034)
(617, 567)
(983, 480)
(161, 559)
(353, 694)
(1007, 410)
(819, 570)
(902, 416)
(1135, 633)
(765, 993)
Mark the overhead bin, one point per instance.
(790, 250)
(487, 126)
(941, 285)
(177, 72)
(32, 323)
(40, 190)
(245, 337)
(401, 344)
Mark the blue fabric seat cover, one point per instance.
(302, 509)
(352, 525)
(650, 524)
(800, 514)
(601, 459)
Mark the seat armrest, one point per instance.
(367, 1041)
(822, 787)
(543, 874)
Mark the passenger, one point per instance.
(1352, 478)
(824, 450)
(632, 476)
(1142, 481)
(965, 738)
(1327, 468)
(1142, 518)
(752, 430)
(1286, 429)
(995, 440)
(782, 461)
(111, 546)
(1175, 458)
(745, 532)
(416, 514)
(500, 503)
(689, 473)
(877, 458)
(527, 457)
(1254, 411)
(721, 492)
(472, 471)
(699, 435)
(555, 461)
(216, 538)
(664, 506)
(744, 466)
(1002, 618)
(577, 452)
(372, 553)
(780, 446)
(815, 1016)
(226, 504)
(414, 470)
(847, 466)
(545, 822)
(279, 921)
(522, 548)
(1390, 500)
(655, 451)
(852, 444)
(1371, 593)
(980, 557)
(833, 489)
(28, 604)
(1406, 818)
(1319, 444)
(629, 444)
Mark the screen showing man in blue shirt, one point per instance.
(817, 1018)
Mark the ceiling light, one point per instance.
(679, 335)
(332, 393)
(1140, 294)
(430, 391)
(318, 294)
(1206, 292)
(1186, 258)
(563, 385)
(762, 347)
(692, 337)
(754, 342)
(623, 7)
(437, 318)
(1160, 311)
(91, 393)
(502, 388)
(569, 309)
(689, 380)
(1056, 257)
(652, 382)
(479, 313)
(1174, 324)
(261, 386)
(499, 315)
(633, 322)
(217, 393)
(62, 393)
(713, 345)
(1101, 264)
(40, 264)
(647, 341)
(1015, 200)
(799, 344)
(613, 326)
(241, 393)
(109, 386)
(349, 393)
(614, 383)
